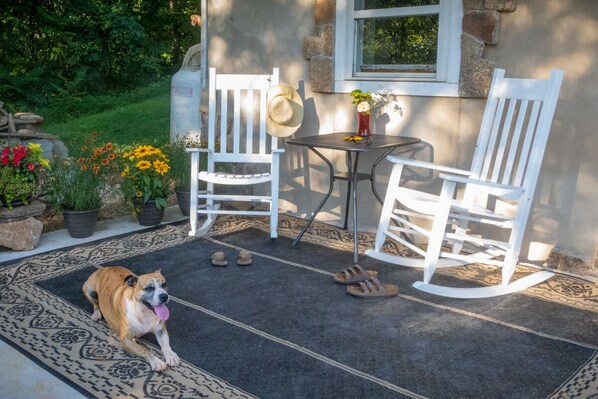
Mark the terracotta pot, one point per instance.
(80, 224)
(147, 214)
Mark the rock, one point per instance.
(27, 117)
(22, 235)
(34, 208)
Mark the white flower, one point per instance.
(379, 99)
(363, 106)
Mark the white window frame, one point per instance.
(444, 83)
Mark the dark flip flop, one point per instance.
(372, 288)
(354, 274)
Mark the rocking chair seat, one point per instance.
(234, 179)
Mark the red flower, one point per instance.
(30, 166)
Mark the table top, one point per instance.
(334, 141)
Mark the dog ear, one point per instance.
(159, 271)
(131, 280)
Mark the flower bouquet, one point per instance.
(145, 175)
(371, 103)
(21, 167)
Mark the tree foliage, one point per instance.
(56, 48)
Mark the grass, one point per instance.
(143, 122)
(142, 117)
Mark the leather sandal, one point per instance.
(354, 274)
(218, 259)
(372, 288)
(244, 258)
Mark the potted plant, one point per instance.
(78, 186)
(144, 170)
(180, 168)
(21, 168)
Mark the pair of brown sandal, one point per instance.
(364, 283)
(244, 258)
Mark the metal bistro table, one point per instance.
(335, 141)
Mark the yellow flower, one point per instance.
(144, 150)
(143, 165)
(138, 194)
(161, 167)
(35, 146)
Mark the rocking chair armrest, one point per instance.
(506, 191)
(278, 151)
(427, 165)
(197, 150)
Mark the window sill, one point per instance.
(426, 89)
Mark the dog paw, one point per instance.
(172, 359)
(158, 365)
(97, 315)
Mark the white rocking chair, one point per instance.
(241, 96)
(496, 198)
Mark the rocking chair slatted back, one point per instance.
(514, 130)
(243, 145)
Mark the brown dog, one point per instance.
(133, 306)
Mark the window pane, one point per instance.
(373, 4)
(400, 44)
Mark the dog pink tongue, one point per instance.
(162, 312)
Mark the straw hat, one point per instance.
(284, 111)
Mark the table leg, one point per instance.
(373, 174)
(354, 172)
(330, 187)
(349, 182)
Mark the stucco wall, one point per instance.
(545, 34)
(254, 36)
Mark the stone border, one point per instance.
(481, 27)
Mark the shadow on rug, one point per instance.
(281, 328)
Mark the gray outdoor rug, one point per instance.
(281, 328)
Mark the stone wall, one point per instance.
(481, 27)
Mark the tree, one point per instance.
(75, 47)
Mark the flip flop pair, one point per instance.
(243, 259)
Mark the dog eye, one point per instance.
(149, 287)
(164, 285)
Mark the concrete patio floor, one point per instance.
(22, 378)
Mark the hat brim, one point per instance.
(294, 123)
